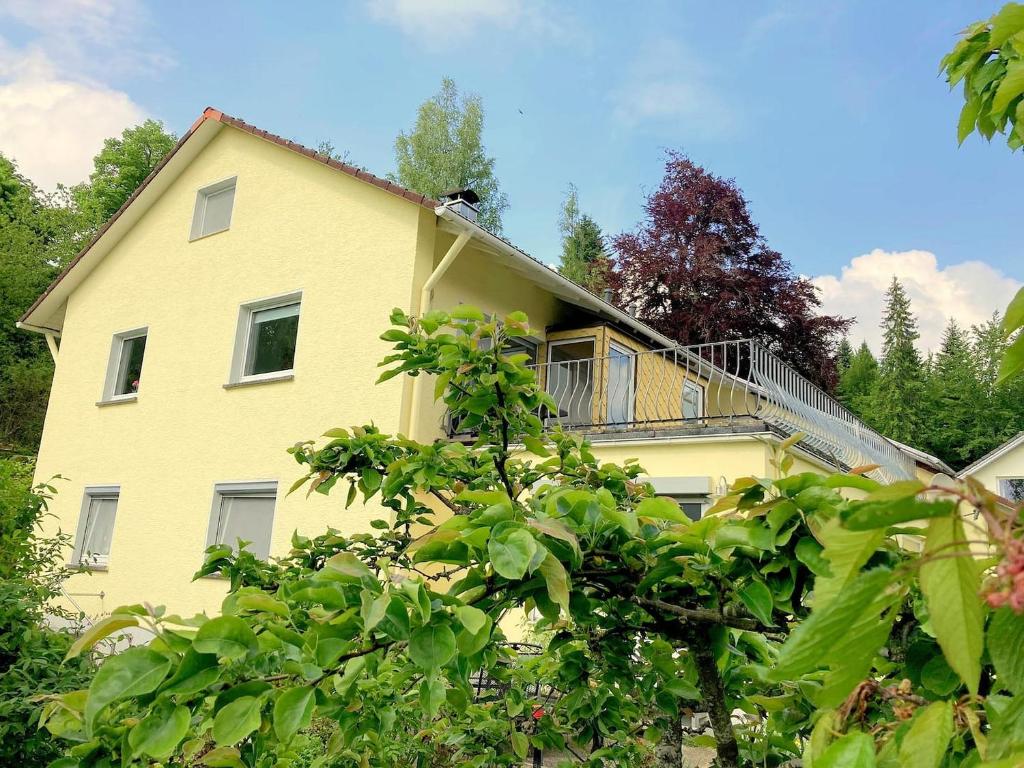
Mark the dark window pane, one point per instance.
(692, 509)
(130, 369)
(272, 340)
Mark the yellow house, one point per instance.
(1002, 469)
(232, 307)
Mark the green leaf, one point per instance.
(237, 720)
(682, 688)
(951, 583)
(661, 508)
(511, 552)
(293, 711)
(227, 636)
(520, 744)
(260, 601)
(866, 515)
(809, 646)
(1011, 87)
(468, 312)
(854, 750)
(846, 551)
(1014, 317)
(432, 695)
(195, 672)
(131, 673)
(968, 118)
(808, 551)
(535, 446)
(758, 600)
(160, 731)
(556, 580)
(473, 619)
(432, 647)
(223, 757)
(373, 610)
(1013, 360)
(1005, 640)
(925, 743)
(348, 565)
(99, 630)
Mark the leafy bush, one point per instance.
(812, 612)
(31, 570)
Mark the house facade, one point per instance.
(1001, 469)
(233, 307)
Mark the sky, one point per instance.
(831, 116)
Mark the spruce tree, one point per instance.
(954, 395)
(896, 406)
(844, 356)
(584, 255)
(857, 382)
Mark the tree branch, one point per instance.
(713, 694)
(701, 615)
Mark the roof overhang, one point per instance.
(991, 456)
(47, 312)
(545, 277)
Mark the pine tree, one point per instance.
(858, 381)
(584, 256)
(896, 404)
(954, 394)
(844, 356)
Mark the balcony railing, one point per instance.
(711, 385)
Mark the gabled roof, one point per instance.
(994, 454)
(932, 462)
(46, 307)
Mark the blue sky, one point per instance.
(830, 115)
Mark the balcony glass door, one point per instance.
(621, 384)
(570, 380)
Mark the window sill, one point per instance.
(265, 379)
(118, 400)
(209, 234)
(100, 567)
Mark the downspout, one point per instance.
(426, 297)
(51, 342)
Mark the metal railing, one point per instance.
(711, 385)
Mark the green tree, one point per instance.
(31, 653)
(844, 356)
(118, 170)
(954, 396)
(444, 151)
(896, 403)
(789, 601)
(858, 379)
(585, 258)
(25, 271)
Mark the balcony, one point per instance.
(731, 386)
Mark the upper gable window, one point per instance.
(213, 208)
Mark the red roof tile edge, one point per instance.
(215, 114)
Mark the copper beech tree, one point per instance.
(698, 270)
(811, 612)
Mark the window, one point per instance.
(243, 511)
(96, 527)
(692, 494)
(265, 345)
(517, 345)
(693, 400)
(1012, 488)
(124, 371)
(213, 209)
(693, 506)
(570, 380)
(621, 383)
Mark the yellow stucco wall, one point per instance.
(1009, 465)
(296, 225)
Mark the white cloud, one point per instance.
(55, 108)
(666, 87)
(969, 292)
(439, 23)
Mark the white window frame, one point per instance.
(692, 386)
(551, 345)
(243, 339)
(199, 211)
(258, 488)
(115, 362)
(94, 562)
(631, 355)
(1007, 479)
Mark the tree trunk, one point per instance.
(713, 692)
(668, 753)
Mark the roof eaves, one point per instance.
(995, 453)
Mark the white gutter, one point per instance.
(581, 295)
(426, 297)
